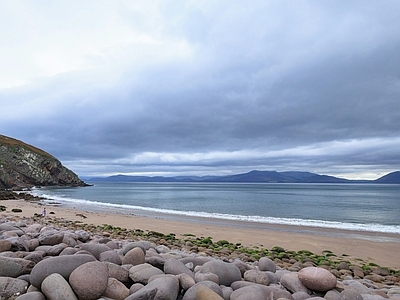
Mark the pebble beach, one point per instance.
(74, 254)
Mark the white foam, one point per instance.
(233, 217)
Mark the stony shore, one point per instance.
(56, 258)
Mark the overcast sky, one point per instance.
(204, 87)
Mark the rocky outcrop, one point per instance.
(24, 166)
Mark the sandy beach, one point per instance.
(382, 249)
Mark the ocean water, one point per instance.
(361, 207)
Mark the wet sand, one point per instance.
(380, 248)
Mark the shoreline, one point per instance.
(358, 246)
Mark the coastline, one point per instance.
(371, 247)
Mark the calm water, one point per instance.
(345, 206)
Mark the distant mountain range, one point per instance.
(253, 176)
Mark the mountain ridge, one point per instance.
(254, 176)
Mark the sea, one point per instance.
(355, 207)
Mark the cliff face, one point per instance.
(22, 165)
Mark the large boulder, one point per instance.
(193, 292)
(51, 237)
(116, 290)
(176, 267)
(95, 249)
(266, 264)
(256, 276)
(135, 256)
(226, 272)
(249, 293)
(161, 288)
(13, 267)
(292, 283)
(63, 265)
(55, 287)
(142, 273)
(31, 296)
(89, 281)
(11, 287)
(317, 279)
(5, 245)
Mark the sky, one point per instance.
(204, 87)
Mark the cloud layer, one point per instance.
(187, 87)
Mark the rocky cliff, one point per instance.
(23, 165)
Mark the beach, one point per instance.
(358, 247)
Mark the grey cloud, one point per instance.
(274, 77)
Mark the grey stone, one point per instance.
(332, 295)
(69, 251)
(156, 261)
(11, 287)
(32, 244)
(89, 281)
(35, 257)
(7, 226)
(43, 248)
(135, 287)
(243, 267)
(186, 281)
(273, 277)
(70, 239)
(63, 265)
(110, 256)
(317, 279)
(162, 288)
(292, 283)
(343, 266)
(205, 293)
(33, 228)
(18, 244)
(270, 292)
(226, 272)
(144, 245)
(195, 260)
(82, 235)
(162, 249)
(51, 237)
(393, 291)
(208, 276)
(191, 293)
(117, 272)
(56, 249)
(256, 276)
(280, 273)
(55, 287)
(135, 256)
(5, 245)
(113, 245)
(350, 294)
(26, 277)
(31, 296)
(116, 290)
(357, 286)
(241, 283)
(142, 273)
(226, 292)
(266, 264)
(13, 267)
(95, 249)
(175, 267)
(300, 296)
(372, 297)
(251, 292)
(13, 233)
